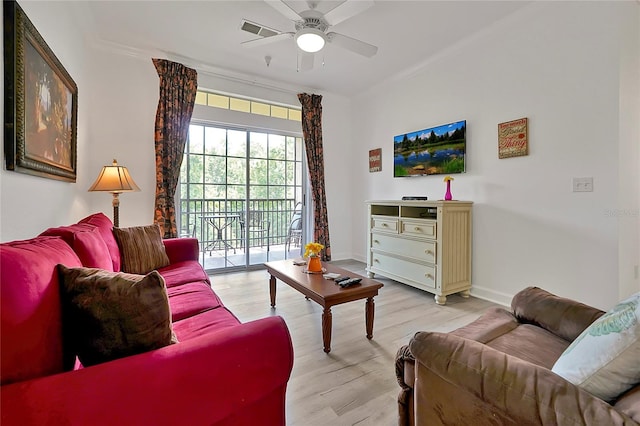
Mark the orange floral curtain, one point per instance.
(178, 86)
(312, 132)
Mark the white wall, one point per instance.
(30, 204)
(338, 142)
(557, 63)
(629, 155)
(124, 100)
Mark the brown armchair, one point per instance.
(497, 370)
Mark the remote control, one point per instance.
(341, 279)
(349, 282)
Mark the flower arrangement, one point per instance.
(312, 249)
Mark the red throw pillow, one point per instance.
(104, 224)
(92, 250)
(31, 336)
(67, 232)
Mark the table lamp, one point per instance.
(115, 179)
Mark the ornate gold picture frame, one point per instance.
(41, 103)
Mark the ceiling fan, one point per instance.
(311, 29)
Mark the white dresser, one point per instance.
(425, 244)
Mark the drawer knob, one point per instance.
(376, 241)
(429, 252)
(384, 224)
(417, 228)
(429, 276)
(376, 260)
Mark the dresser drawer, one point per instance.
(384, 224)
(424, 275)
(423, 228)
(416, 249)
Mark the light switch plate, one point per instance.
(583, 184)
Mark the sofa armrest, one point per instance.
(561, 316)
(405, 375)
(181, 249)
(227, 377)
(460, 381)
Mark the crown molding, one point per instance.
(200, 66)
(121, 49)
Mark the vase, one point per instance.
(447, 195)
(314, 264)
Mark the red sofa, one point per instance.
(221, 372)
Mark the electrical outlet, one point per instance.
(584, 184)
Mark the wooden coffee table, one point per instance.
(324, 292)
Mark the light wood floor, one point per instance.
(355, 383)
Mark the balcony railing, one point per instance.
(217, 223)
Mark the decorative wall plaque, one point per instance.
(513, 140)
(375, 160)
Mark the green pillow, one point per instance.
(110, 315)
(605, 359)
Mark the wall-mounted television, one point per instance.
(432, 151)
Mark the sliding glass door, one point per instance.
(241, 194)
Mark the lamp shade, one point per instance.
(310, 39)
(115, 179)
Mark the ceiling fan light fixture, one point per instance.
(310, 40)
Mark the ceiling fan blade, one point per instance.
(356, 46)
(306, 61)
(284, 9)
(266, 40)
(346, 10)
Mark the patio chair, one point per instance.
(257, 226)
(294, 235)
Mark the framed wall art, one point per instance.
(41, 103)
(513, 140)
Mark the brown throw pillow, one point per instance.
(110, 315)
(141, 249)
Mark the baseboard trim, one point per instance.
(498, 297)
(346, 256)
(483, 293)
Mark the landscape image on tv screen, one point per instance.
(432, 151)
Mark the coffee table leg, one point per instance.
(326, 329)
(369, 311)
(272, 290)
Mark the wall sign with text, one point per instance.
(375, 160)
(513, 140)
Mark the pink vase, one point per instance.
(447, 195)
